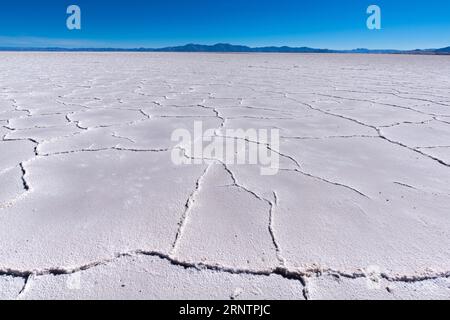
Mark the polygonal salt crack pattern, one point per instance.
(91, 205)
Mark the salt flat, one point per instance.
(92, 205)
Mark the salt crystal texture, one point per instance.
(359, 208)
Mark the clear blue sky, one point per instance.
(335, 24)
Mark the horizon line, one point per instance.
(212, 46)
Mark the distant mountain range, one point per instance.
(229, 48)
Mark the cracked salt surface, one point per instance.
(218, 232)
(10, 287)
(338, 287)
(91, 205)
(153, 278)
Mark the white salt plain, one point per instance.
(91, 205)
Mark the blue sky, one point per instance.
(334, 24)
